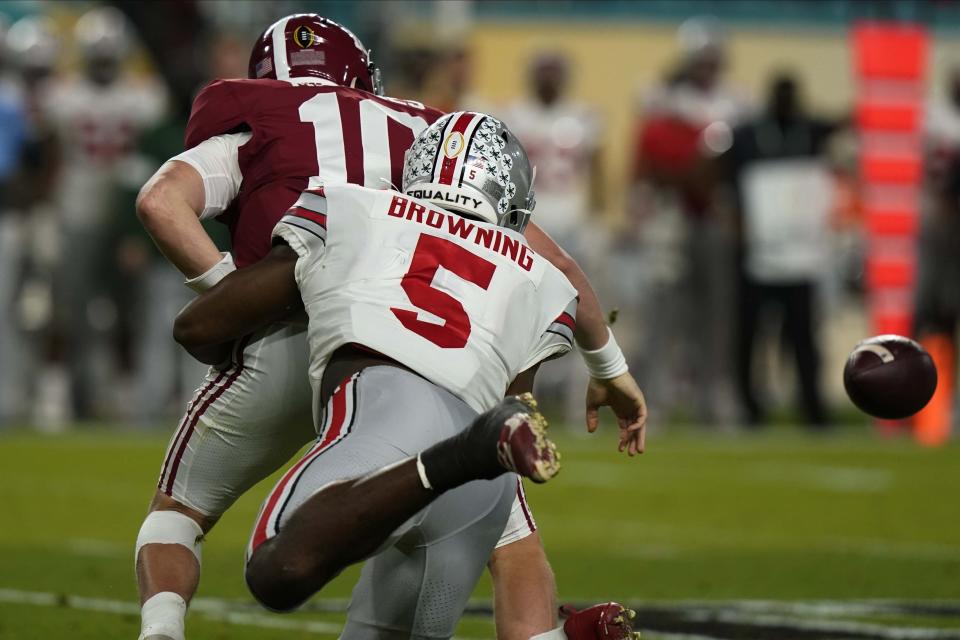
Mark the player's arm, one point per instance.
(169, 206)
(239, 304)
(199, 183)
(610, 383)
(591, 329)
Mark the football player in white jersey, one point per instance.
(563, 139)
(424, 309)
(99, 116)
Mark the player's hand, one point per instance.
(625, 398)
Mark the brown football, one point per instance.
(890, 377)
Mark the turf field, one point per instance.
(772, 536)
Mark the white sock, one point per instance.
(163, 615)
(554, 634)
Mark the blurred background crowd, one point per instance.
(700, 159)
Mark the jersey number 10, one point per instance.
(359, 141)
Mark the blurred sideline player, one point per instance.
(29, 57)
(688, 245)
(99, 117)
(937, 315)
(364, 264)
(253, 146)
(562, 138)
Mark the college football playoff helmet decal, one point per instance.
(306, 45)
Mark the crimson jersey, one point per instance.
(304, 135)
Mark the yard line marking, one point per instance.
(47, 599)
(877, 547)
(833, 478)
(96, 548)
(209, 608)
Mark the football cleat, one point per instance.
(609, 621)
(509, 437)
(523, 446)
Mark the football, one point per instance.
(889, 377)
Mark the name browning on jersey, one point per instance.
(483, 236)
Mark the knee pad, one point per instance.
(170, 527)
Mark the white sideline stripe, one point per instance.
(102, 605)
(210, 608)
(822, 610)
(748, 612)
(883, 632)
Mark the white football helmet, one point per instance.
(470, 163)
(32, 43)
(102, 33)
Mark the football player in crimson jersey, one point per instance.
(309, 115)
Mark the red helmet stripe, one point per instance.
(448, 169)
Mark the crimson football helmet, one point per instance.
(306, 45)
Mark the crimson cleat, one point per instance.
(609, 621)
(523, 446)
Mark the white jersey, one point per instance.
(561, 141)
(465, 304)
(99, 127)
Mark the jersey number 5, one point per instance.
(431, 254)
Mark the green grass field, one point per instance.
(846, 536)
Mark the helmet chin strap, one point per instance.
(375, 76)
(391, 185)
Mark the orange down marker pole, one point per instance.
(891, 61)
(931, 426)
